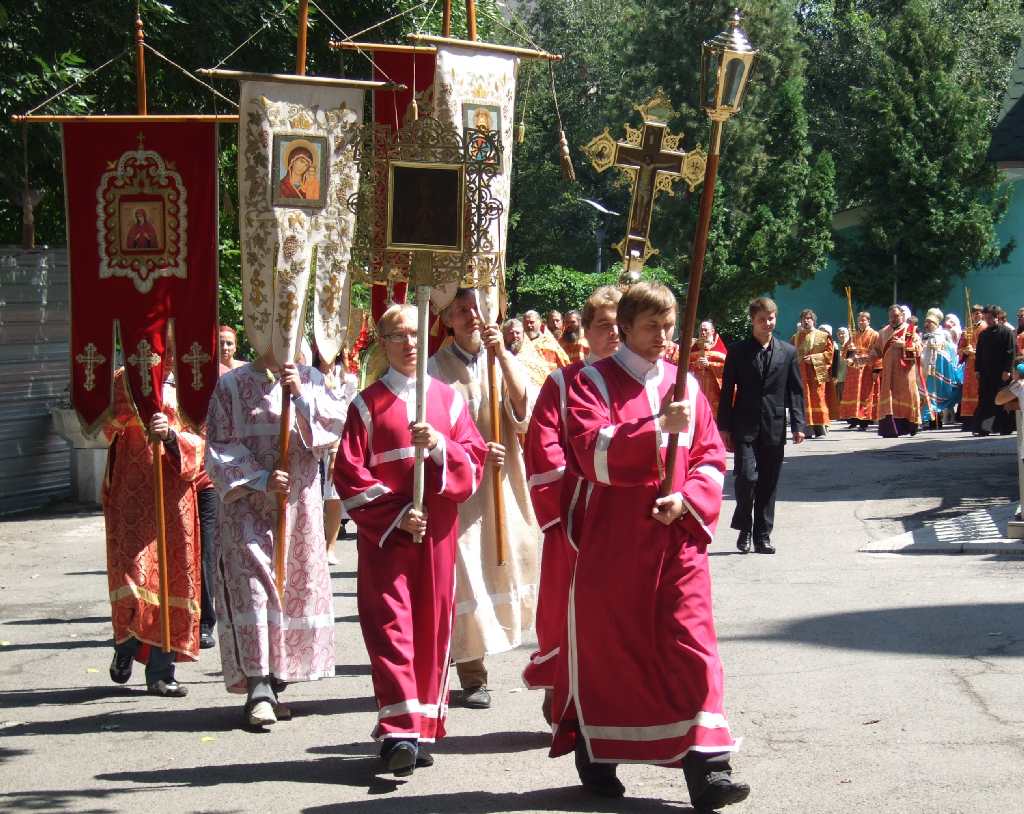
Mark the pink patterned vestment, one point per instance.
(257, 636)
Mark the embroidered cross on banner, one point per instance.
(196, 358)
(90, 360)
(145, 360)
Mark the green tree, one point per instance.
(775, 199)
(930, 198)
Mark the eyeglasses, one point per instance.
(399, 339)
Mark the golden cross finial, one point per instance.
(650, 157)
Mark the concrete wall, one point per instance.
(1002, 286)
(35, 463)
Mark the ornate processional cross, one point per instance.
(650, 157)
(196, 358)
(145, 360)
(90, 360)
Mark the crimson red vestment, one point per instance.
(405, 590)
(639, 671)
(549, 481)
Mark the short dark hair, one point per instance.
(807, 312)
(762, 304)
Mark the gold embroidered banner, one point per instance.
(296, 171)
(475, 91)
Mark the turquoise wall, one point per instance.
(1002, 286)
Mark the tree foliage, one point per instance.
(774, 199)
(920, 117)
(884, 104)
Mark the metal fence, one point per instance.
(35, 463)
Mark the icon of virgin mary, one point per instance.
(301, 178)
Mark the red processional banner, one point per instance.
(141, 203)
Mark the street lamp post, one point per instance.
(602, 228)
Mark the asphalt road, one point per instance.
(860, 682)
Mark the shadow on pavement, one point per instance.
(492, 743)
(203, 719)
(987, 630)
(361, 772)
(352, 670)
(83, 620)
(70, 644)
(569, 798)
(63, 696)
(10, 754)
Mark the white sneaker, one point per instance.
(262, 714)
(332, 558)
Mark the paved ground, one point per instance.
(861, 682)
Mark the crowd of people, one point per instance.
(563, 518)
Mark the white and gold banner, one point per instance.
(296, 171)
(476, 89)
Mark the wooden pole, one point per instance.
(140, 66)
(285, 429)
(700, 247)
(156, 445)
(499, 493)
(524, 53)
(300, 50)
(129, 118)
(446, 19)
(422, 338)
(281, 539)
(161, 545)
(492, 386)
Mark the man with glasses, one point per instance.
(406, 576)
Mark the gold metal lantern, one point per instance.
(727, 61)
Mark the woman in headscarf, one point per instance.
(942, 374)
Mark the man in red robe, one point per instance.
(626, 690)
(133, 570)
(570, 339)
(967, 350)
(406, 572)
(551, 485)
(707, 363)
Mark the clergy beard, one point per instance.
(571, 336)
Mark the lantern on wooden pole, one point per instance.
(727, 61)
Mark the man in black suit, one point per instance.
(761, 379)
(993, 363)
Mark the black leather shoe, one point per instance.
(206, 640)
(423, 758)
(167, 689)
(721, 790)
(476, 698)
(743, 542)
(400, 758)
(121, 668)
(764, 546)
(597, 778)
